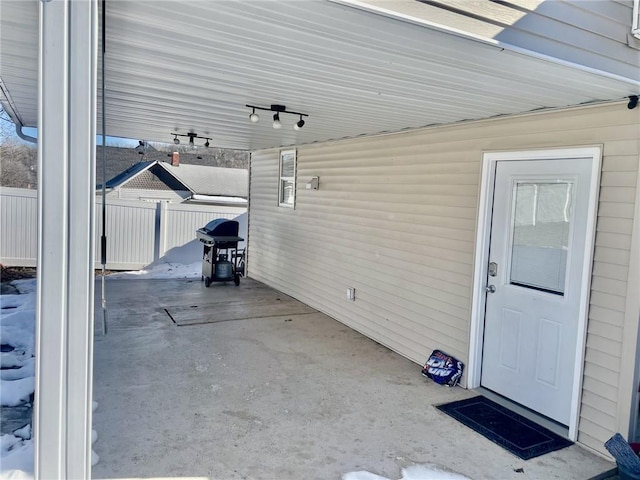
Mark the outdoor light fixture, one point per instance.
(276, 121)
(299, 124)
(276, 116)
(192, 136)
(633, 102)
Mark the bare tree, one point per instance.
(18, 159)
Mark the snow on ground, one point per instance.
(17, 376)
(17, 333)
(17, 457)
(184, 261)
(416, 472)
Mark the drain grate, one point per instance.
(245, 309)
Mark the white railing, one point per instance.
(138, 232)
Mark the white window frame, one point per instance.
(282, 179)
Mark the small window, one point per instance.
(287, 187)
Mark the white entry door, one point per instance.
(534, 280)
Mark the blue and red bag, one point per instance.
(443, 369)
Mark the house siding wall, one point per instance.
(595, 34)
(395, 217)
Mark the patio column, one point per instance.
(66, 164)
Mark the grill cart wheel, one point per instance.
(202, 278)
(207, 282)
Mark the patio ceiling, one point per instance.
(192, 66)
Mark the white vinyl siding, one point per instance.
(395, 218)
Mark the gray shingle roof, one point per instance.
(199, 179)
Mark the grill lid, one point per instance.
(221, 227)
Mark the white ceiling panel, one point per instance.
(192, 66)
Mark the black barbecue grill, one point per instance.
(220, 260)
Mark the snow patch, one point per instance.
(16, 392)
(362, 475)
(24, 432)
(25, 286)
(427, 471)
(17, 376)
(17, 457)
(28, 369)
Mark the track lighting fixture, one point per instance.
(276, 121)
(276, 117)
(192, 136)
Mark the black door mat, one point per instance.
(260, 307)
(511, 431)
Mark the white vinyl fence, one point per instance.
(138, 232)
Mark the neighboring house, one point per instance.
(469, 168)
(156, 181)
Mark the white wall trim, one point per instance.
(481, 255)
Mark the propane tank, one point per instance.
(224, 268)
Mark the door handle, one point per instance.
(491, 289)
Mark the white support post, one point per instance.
(162, 229)
(66, 166)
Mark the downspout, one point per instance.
(635, 28)
(11, 111)
(24, 136)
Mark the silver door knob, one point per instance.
(491, 288)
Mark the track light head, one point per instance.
(299, 124)
(176, 140)
(633, 102)
(206, 144)
(254, 117)
(191, 137)
(276, 121)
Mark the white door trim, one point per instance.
(481, 259)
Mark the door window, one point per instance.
(540, 235)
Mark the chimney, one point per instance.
(175, 159)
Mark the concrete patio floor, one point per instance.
(282, 397)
